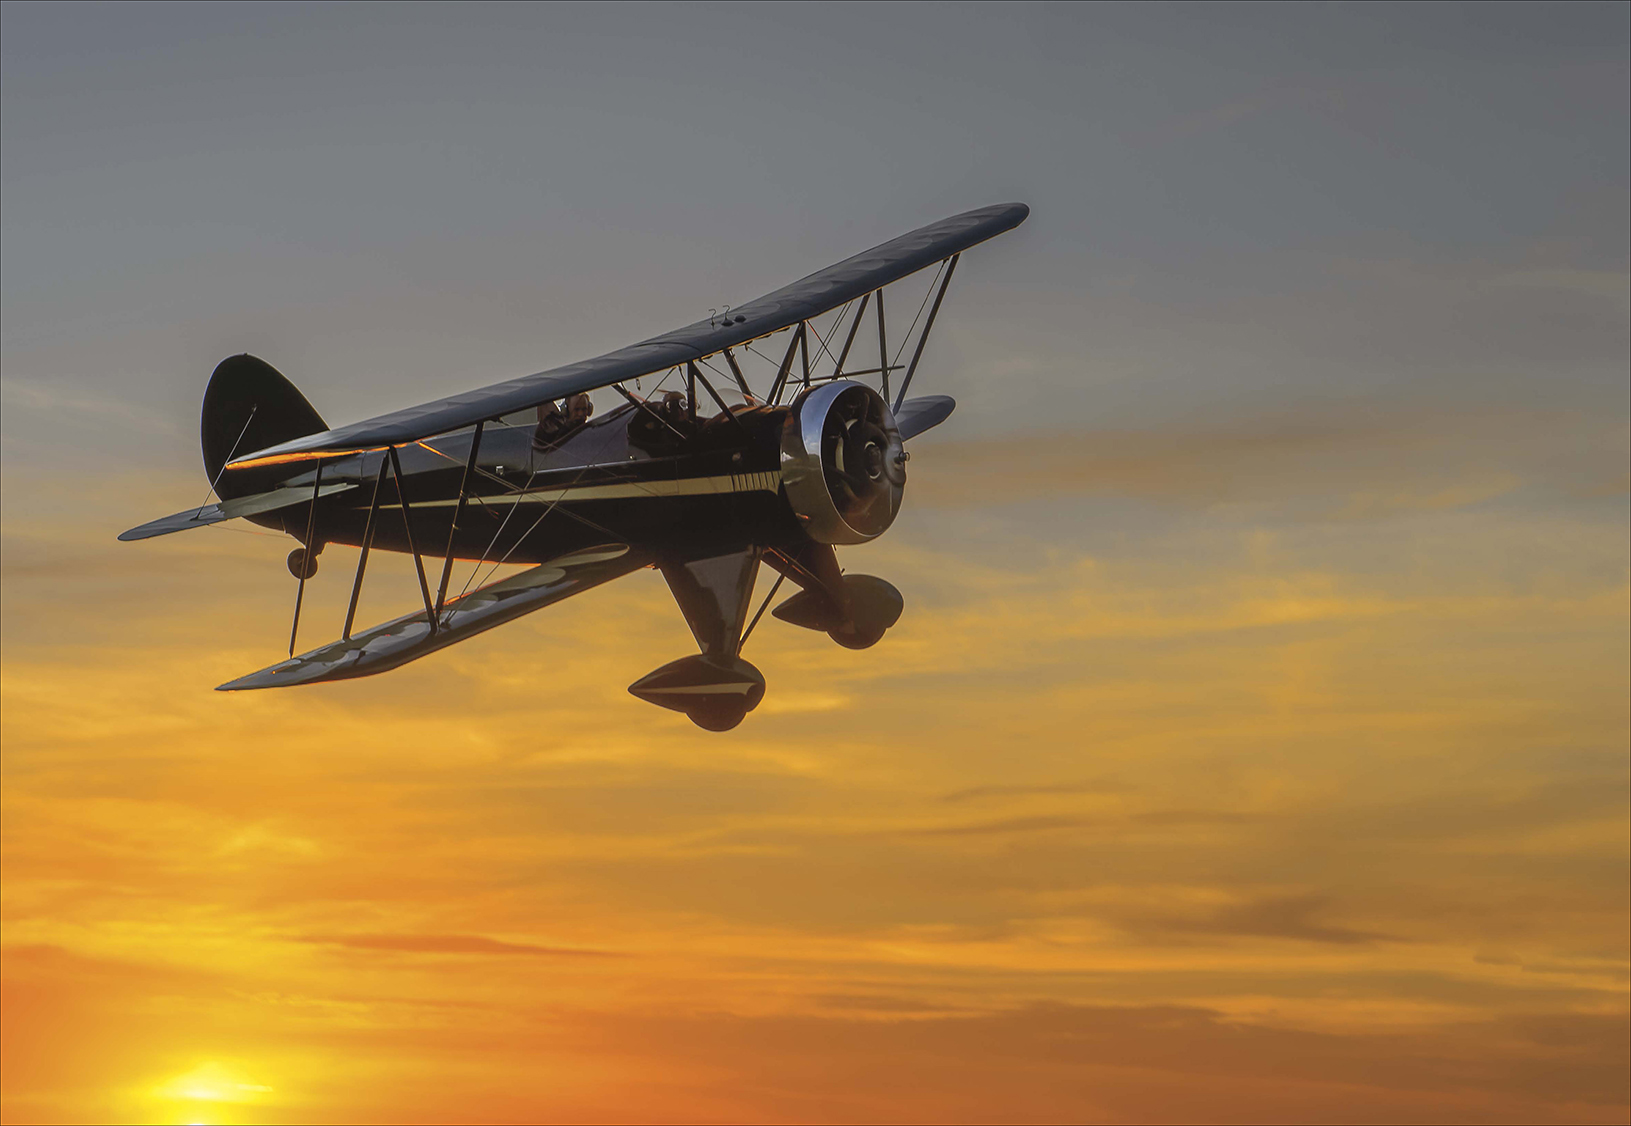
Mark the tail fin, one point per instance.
(248, 407)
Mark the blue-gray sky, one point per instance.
(1238, 210)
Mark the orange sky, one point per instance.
(1254, 744)
(1231, 820)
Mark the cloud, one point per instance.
(1145, 1063)
(871, 1003)
(1610, 285)
(1107, 822)
(1330, 468)
(448, 944)
(976, 792)
(1288, 916)
(57, 399)
(1011, 825)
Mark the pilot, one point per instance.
(552, 423)
(578, 409)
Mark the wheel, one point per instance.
(300, 562)
(719, 715)
(857, 639)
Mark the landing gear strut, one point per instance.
(716, 688)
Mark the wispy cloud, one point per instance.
(65, 404)
(1328, 469)
(977, 792)
(448, 944)
(1288, 916)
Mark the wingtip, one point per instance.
(258, 679)
(1016, 211)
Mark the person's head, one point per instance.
(673, 403)
(579, 408)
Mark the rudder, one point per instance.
(248, 406)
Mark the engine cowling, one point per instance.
(843, 462)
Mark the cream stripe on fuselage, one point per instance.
(768, 481)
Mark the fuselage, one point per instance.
(673, 487)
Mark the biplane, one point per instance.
(704, 483)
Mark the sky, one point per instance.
(1254, 743)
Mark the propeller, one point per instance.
(857, 453)
(842, 463)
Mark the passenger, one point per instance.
(555, 424)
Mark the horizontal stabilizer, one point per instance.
(408, 638)
(230, 509)
(917, 415)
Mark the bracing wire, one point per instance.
(533, 528)
(220, 472)
(831, 332)
(906, 338)
(504, 523)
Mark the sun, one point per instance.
(212, 1083)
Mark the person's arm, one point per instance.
(550, 424)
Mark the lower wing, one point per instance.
(917, 415)
(410, 637)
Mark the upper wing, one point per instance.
(806, 298)
(408, 638)
(208, 514)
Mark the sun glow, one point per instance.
(212, 1083)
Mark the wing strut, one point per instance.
(883, 349)
(804, 350)
(736, 370)
(305, 561)
(787, 366)
(697, 377)
(923, 338)
(407, 526)
(458, 511)
(362, 559)
(838, 372)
